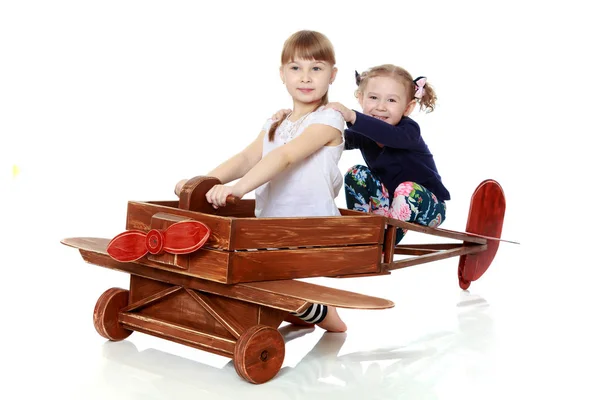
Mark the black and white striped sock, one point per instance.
(314, 314)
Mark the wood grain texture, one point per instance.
(93, 251)
(421, 249)
(219, 313)
(178, 333)
(230, 233)
(260, 233)
(464, 236)
(139, 217)
(436, 256)
(267, 265)
(161, 221)
(313, 293)
(259, 354)
(193, 194)
(106, 314)
(286, 295)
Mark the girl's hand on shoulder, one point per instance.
(217, 195)
(348, 114)
(281, 114)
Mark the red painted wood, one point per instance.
(486, 216)
(182, 237)
(127, 246)
(185, 237)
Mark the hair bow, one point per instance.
(182, 237)
(420, 86)
(357, 77)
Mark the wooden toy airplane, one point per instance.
(223, 280)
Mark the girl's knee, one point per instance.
(404, 189)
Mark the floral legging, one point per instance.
(411, 203)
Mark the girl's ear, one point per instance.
(359, 96)
(281, 74)
(410, 107)
(334, 71)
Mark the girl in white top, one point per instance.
(310, 186)
(292, 164)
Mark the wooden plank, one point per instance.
(270, 316)
(267, 265)
(321, 294)
(178, 333)
(389, 244)
(139, 216)
(439, 255)
(362, 275)
(286, 295)
(93, 251)
(354, 213)
(152, 299)
(466, 237)
(179, 308)
(219, 313)
(165, 203)
(244, 208)
(183, 307)
(260, 233)
(420, 249)
(213, 265)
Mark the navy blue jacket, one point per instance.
(403, 157)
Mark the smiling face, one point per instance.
(307, 81)
(387, 99)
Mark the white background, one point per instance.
(105, 102)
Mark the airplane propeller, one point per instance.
(182, 237)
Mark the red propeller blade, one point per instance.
(185, 237)
(128, 246)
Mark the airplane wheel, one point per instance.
(106, 314)
(259, 353)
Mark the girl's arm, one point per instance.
(353, 140)
(405, 135)
(237, 166)
(312, 139)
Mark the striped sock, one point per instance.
(314, 314)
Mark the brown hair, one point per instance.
(308, 45)
(428, 99)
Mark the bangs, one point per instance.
(308, 45)
(389, 71)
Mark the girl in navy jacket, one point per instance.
(400, 179)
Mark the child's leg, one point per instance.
(365, 192)
(324, 316)
(415, 203)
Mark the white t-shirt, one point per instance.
(309, 188)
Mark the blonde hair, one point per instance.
(307, 45)
(428, 99)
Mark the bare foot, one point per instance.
(333, 322)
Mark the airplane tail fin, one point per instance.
(486, 216)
